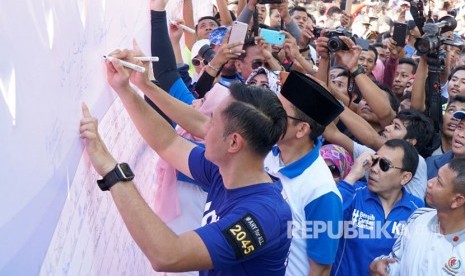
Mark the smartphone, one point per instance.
(272, 37)
(238, 34)
(399, 33)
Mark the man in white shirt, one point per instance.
(433, 242)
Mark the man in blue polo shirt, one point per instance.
(247, 230)
(375, 212)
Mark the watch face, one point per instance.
(125, 171)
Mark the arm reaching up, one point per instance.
(370, 91)
(158, 133)
(165, 250)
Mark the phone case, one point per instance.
(399, 33)
(272, 37)
(238, 34)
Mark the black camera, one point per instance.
(335, 43)
(207, 53)
(270, 1)
(317, 31)
(431, 41)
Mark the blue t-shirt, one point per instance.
(368, 233)
(244, 229)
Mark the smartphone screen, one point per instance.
(238, 34)
(399, 33)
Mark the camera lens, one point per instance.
(425, 45)
(207, 53)
(335, 44)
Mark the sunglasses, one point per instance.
(196, 61)
(334, 171)
(385, 164)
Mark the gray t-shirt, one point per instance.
(416, 186)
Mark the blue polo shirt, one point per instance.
(244, 229)
(368, 233)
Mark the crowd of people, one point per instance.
(301, 158)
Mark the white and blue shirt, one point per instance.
(316, 205)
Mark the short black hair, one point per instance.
(372, 48)
(419, 127)
(458, 166)
(411, 61)
(205, 18)
(218, 16)
(257, 115)
(410, 158)
(332, 10)
(458, 98)
(249, 42)
(458, 68)
(297, 8)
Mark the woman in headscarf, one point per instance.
(338, 159)
(263, 77)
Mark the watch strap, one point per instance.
(360, 70)
(114, 176)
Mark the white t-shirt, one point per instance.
(423, 250)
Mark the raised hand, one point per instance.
(396, 52)
(117, 74)
(290, 46)
(349, 58)
(306, 35)
(380, 267)
(227, 51)
(138, 78)
(100, 157)
(176, 31)
(346, 20)
(322, 45)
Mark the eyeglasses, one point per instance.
(385, 164)
(257, 63)
(196, 61)
(334, 171)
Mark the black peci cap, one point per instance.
(311, 98)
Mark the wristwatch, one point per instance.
(122, 172)
(360, 70)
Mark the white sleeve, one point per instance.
(400, 244)
(359, 149)
(417, 186)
